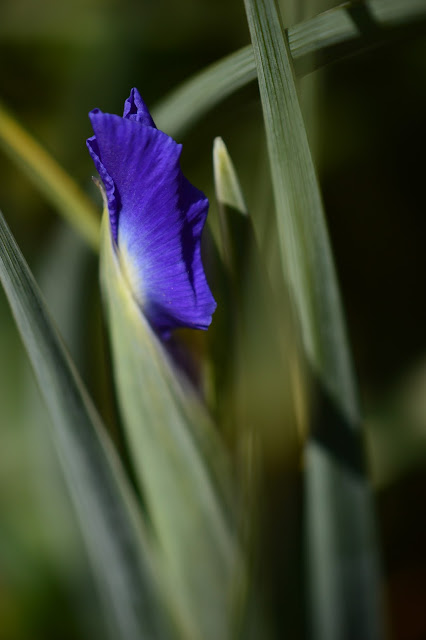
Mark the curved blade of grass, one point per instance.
(172, 444)
(232, 209)
(390, 12)
(305, 249)
(261, 395)
(321, 40)
(47, 176)
(109, 519)
(341, 554)
(180, 109)
(228, 189)
(256, 311)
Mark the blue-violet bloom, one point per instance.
(156, 217)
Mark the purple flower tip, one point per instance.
(156, 216)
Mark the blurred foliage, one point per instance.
(59, 60)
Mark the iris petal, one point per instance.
(136, 109)
(156, 215)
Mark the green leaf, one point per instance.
(341, 553)
(262, 336)
(305, 249)
(179, 110)
(173, 445)
(228, 190)
(53, 182)
(233, 218)
(345, 30)
(263, 373)
(109, 518)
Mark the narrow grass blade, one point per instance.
(236, 243)
(232, 208)
(263, 367)
(302, 230)
(172, 444)
(261, 326)
(344, 589)
(179, 110)
(47, 176)
(321, 40)
(228, 190)
(344, 550)
(389, 12)
(108, 517)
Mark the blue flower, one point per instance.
(156, 217)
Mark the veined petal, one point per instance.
(113, 205)
(156, 217)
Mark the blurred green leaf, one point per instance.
(109, 518)
(179, 110)
(306, 256)
(397, 428)
(265, 379)
(228, 190)
(232, 208)
(321, 40)
(342, 564)
(47, 176)
(173, 445)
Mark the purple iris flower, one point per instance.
(156, 217)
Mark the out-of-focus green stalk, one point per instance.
(306, 254)
(179, 461)
(231, 205)
(118, 543)
(47, 176)
(313, 43)
(261, 395)
(342, 563)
